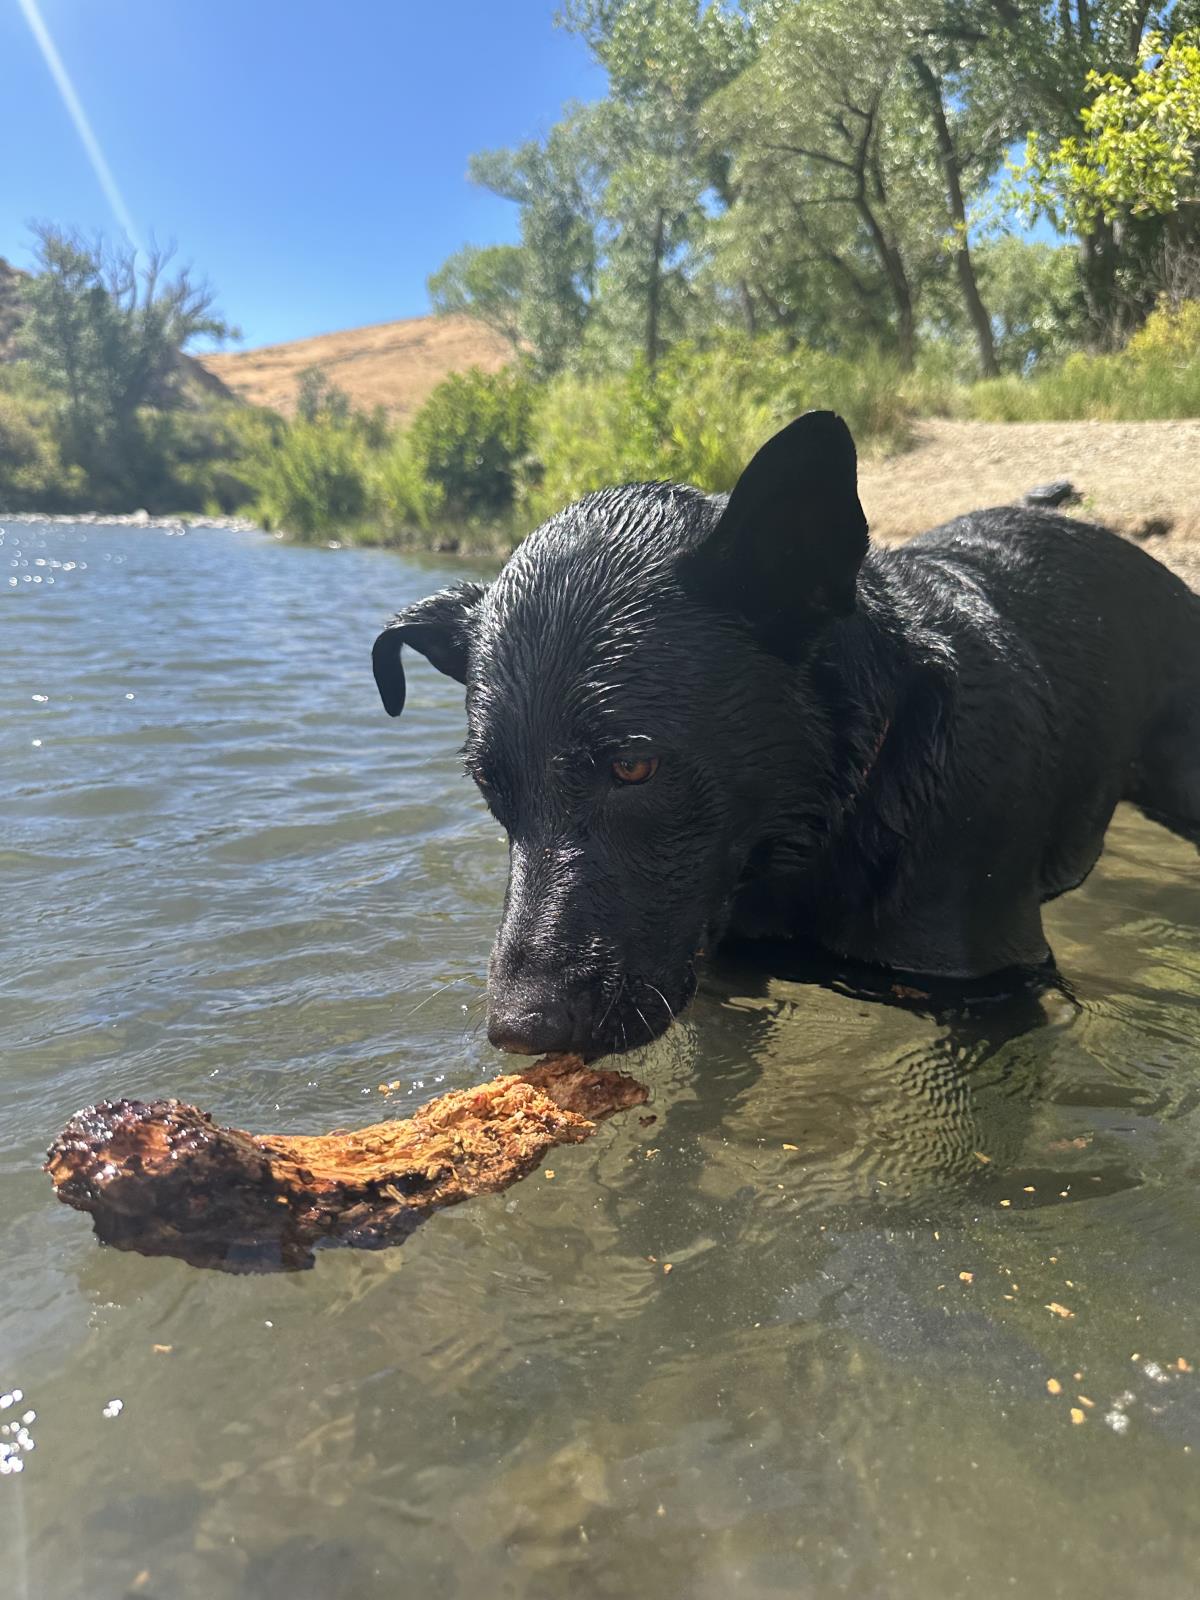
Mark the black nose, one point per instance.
(530, 1028)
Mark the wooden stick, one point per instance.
(162, 1178)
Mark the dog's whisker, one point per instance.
(433, 996)
(666, 1004)
(608, 1008)
(645, 1024)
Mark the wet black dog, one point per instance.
(697, 717)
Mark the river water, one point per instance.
(227, 876)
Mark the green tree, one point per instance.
(1136, 158)
(108, 336)
(814, 125)
(556, 182)
(486, 283)
(319, 399)
(311, 478)
(1033, 292)
(664, 59)
(860, 138)
(1039, 60)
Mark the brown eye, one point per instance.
(634, 769)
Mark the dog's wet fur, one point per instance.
(895, 754)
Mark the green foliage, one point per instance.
(318, 399)
(1156, 376)
(1032, 290)
(468, 440)
(33, 475)
(485, 283)
(701, 414)
(1139, 149)
(403, 497)
(556, 182)
(107, 337)
(312, 479)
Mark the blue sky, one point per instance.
(309, 158)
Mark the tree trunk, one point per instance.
(897, 280)
(981, 322)
(653, 294)
(1099, 252)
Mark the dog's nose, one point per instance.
(531, 1032)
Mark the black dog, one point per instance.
(696, 717)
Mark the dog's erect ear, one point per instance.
(789, 544)
(439, 627)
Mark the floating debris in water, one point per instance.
(114, 1408)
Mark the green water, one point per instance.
(227, 876)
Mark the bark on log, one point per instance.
(162, 1178)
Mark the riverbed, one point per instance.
(892, 1298)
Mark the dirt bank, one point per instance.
(1142, 478)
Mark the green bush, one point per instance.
(313, 481)
(33, 474)
(467, 442)
(402, 496)
(1157, 375)
(701, 414)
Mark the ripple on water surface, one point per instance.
(875, 1299)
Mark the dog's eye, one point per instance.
(634, 769)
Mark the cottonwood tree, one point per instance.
(1134, 165)
(488, 284)
(107, 333)
(557, 183)
(665, 59)
(1043, 58)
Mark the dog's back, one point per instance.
(1104, 637)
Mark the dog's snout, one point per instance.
(531, 1027)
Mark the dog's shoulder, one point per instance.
(1025, 542)
(1008, 528)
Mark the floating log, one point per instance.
(162, 1178)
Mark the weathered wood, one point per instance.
(162, 1178)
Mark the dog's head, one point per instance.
(639, 720)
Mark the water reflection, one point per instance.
(891, 1223)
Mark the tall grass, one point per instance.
(1156, 376)
(701, 414)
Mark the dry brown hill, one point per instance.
(393, 364)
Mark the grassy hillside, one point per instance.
(393, 364)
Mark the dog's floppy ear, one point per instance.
(439, 627)
(789, 544)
